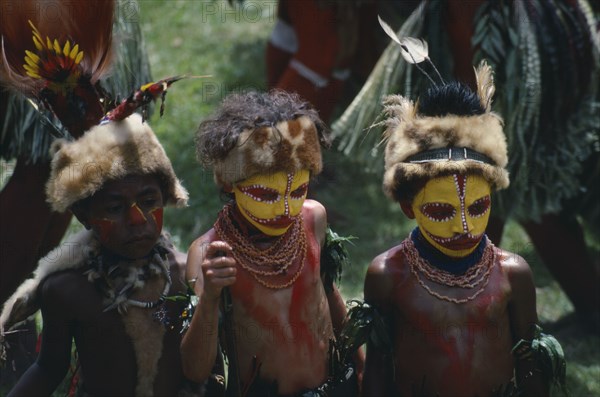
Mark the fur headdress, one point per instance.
(261, 133)
(107, 152)
(421, 146)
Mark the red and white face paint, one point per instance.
(270, 202)
(453, 211)
(127, 215)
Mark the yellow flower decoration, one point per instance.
(51, 61)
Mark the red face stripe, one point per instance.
(105, 227)
(460, 184)
(157, 215)
(136, 215)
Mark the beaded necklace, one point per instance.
(476, 277)
(277, 266)
(118, 280)
(437, 259)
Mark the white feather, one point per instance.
(485, 84)
(413, 50)
(388, 30)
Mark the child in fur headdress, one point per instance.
(461, 312)
(262, 257)
(106, 287)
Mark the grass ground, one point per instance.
(211, 37)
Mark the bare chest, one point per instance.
(133, 348)
(277, 327)
(459, 338)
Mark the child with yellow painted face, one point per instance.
(265, 250)
(461, 312)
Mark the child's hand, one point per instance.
(218, 268)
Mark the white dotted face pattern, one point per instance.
(270, 202)
(452, 212)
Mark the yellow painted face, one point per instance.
(270, 202)
(453, 211)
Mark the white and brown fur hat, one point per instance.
(421, 147)
(108, 152)
(261, 133)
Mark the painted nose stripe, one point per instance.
(136, 215)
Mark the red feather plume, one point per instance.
(55, 52)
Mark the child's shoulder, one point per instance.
(63, 288)
(199, 245)
(387, 262)
(315, 211)
(386, 271)
(204, 239)
(313, 207)
(516, 269)
(510, 261)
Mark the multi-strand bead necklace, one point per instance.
(277, 266)
(477, 276)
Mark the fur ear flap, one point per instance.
(485, 85)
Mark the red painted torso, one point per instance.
(445, 348)
(287, 330)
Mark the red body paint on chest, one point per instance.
(457, 374)
(252, 295)
(302, 286)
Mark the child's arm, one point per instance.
(378, 375)
(48, 371)
(523, 318)
(210, 267)
(338, 311)
(337, 307)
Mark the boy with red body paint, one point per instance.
(456, 305)
(265, 248)
(106, 287)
